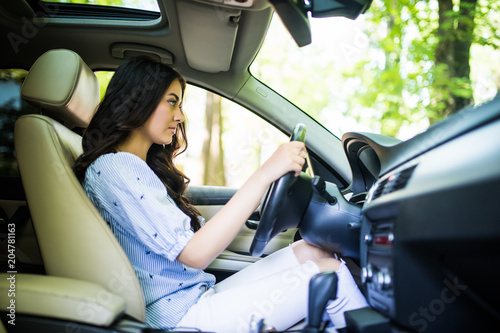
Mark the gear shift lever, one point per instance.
(322, 288)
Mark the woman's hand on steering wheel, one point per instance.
(288, 157)
(287, 198)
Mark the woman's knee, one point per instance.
(305, 251)
(328, 264)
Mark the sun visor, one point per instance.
(208, 35)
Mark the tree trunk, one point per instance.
(452, 55)
(444, 61)
(213, 155)
(463, 42)
(444, 49)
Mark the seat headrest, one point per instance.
(62, 84)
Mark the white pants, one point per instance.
(274, 288)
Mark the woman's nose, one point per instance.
(179, 116)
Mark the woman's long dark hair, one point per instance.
(134, 92)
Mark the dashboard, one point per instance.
(430, 223)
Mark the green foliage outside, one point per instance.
(400, 67)
(104, 77)
(422, 45)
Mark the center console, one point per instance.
(430, 236)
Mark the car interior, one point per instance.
(417, 220)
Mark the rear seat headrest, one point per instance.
(62, 84)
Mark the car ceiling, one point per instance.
(211, 45)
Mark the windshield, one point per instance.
(394, 70)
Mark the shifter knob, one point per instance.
(322, 288)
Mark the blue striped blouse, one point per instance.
(152, 230)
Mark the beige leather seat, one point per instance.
(74, 240)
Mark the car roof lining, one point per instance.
(93, 42)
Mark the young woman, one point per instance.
(128, 172)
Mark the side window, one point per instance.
(227, 142)
(12, 106)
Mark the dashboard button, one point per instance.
(366, 274)
(368, 239)
(383, 280)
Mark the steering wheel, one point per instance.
(284, 203)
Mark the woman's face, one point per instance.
(163, 123)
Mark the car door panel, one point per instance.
(209, 200)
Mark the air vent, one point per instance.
(380, 189)
(402, 179)
(393, 183)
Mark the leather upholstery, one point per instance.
(62, 84)
(62, 298)
(74, 240)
